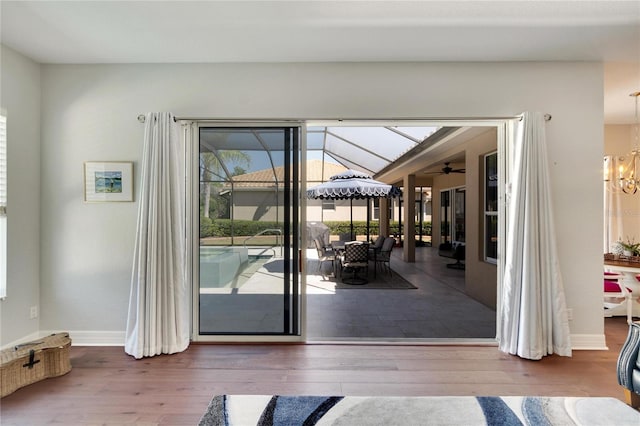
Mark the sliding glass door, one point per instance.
(452, 215)
(246, 254)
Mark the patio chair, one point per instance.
(344, 236)
(383, 257)
(325, 255)
(376, 246)
(354, 259)
(454, 250)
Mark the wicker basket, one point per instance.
(34, 361)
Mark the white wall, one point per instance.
(89, 113)
(20, 97)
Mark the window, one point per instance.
(459, 210)
(445, 217)
(3, 205)
(491, 207)
(328, 204)
(452, 215)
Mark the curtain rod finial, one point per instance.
(141, 118)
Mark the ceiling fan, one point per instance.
(448, 169)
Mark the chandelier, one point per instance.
(627, 178)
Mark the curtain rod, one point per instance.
(142, 118)
(547, 117)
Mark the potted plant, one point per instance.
(629, 247)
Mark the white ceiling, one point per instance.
(322, 31)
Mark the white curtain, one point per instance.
(158, 321)
(533, 311)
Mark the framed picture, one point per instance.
(108, 181)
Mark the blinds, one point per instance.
(3, 165)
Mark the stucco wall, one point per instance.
(480, 276)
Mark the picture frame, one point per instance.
(108, 181)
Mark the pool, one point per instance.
(219, 266)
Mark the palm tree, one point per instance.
(212, 172)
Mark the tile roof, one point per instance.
(264, 178)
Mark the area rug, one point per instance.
(267, 410)
(324, 280)
(328, 282)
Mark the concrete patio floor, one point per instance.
(437, 310)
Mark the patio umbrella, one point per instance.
(350, 185)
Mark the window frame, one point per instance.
(3, 204)
(328, 204)
(489, 213)
(297, 289)
(448, 214)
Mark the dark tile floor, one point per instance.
(437, 310)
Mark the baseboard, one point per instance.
(579, 342)
(93, 338)
(588, 342)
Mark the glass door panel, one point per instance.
(445, 217)
(452, 215)
(459, 214)
(248, 279)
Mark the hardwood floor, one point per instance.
(106, 386)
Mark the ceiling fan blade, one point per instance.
(445, 170)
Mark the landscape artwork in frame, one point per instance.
(108, 181)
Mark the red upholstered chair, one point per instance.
(615, 295)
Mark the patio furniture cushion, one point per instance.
(612, 287)
(355, 258)
(616, 295)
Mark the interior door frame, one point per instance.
(505, 127)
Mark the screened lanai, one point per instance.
(242, 170)
(251, 191)
(366, 148)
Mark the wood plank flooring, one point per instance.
(108, 387)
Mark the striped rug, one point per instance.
(267, 410)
